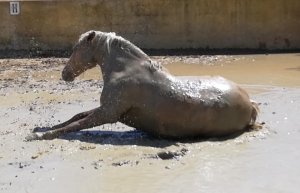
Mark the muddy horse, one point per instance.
(140, 93)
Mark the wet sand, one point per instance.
(116, 158)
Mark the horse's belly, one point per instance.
(209, 123)
(141, 120)
(180, 122)
(194, 117)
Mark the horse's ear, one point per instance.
(91, 36)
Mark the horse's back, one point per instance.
(211, 89)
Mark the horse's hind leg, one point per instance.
(98, 117)
(73, 119)
(254, 126)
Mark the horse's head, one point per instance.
(82, 57)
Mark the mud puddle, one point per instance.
(269, 70)
(115, 158)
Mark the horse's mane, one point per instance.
(109, 39)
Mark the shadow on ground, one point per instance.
(139, 138)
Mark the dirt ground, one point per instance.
(116, 158)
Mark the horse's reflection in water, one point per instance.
(140, 93)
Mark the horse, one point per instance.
(140, 93)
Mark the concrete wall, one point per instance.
(167, 24)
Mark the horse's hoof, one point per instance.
(36, 129)
(40, 129)
(34, 136)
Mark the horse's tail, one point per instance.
(254, 126)
(255, 111)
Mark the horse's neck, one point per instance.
(137, 52)
(119, 58)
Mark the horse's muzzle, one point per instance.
(67, 76)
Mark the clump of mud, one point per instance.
(165, 155)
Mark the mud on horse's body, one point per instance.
(140, 93)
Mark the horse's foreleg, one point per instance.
(73, 119)
(97, 117)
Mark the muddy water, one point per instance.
(114, 158)
(274, 70)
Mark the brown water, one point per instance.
(275, 69)
(264, 161)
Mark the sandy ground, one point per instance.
(116, 158)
